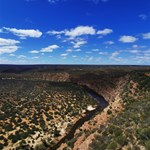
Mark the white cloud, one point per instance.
(12, 55)
(127, 39)
(8, 45)
(105, 31)
(146, 35)
(138, 46)
(115, 56)
(80, 30)
(109, 42)
(75, 32)
(35, 57)
(8, 49)
(64, 55)
(24, 33)
(135, 46)
(4, 42)
(134, 51)
(54, 32)
(78, 35)
(79, 43)
(143, 16)
(21, 56)
(69, 50)
(142, 59)
(50, 48)
(103, 53)
(34, 52)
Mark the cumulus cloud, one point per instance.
(115, 57)
(8, 45)
(50, 48)
(8, 49)
(135, 46)
(146, 35)
(54, 32)
(24, 33)
(127, 39)
(78, 44)
(69, 50)
(64, 55)
(105, 31)
(8, 42)
(78, 36)
(80, 30)
(34, 52)
(75, 32)
(134, 51)
(103, 53)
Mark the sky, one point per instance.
(75, 32)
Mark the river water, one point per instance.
(102, 102)
(89, 114)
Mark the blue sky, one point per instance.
(75, 32)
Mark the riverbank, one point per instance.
(101, 119)
(102, 104)
(88, 130)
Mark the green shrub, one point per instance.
(147, 145)
(121, 140)
(112, 146)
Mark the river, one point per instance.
(89, 114)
